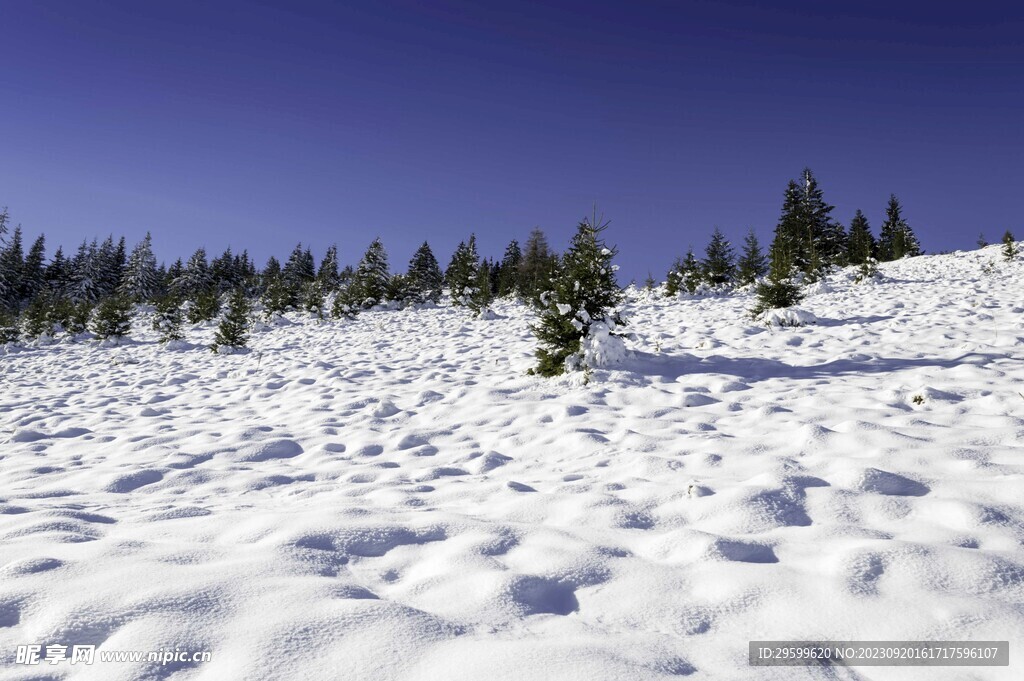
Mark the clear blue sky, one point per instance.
(262, 124)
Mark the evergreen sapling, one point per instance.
(233, 331)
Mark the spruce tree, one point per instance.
(12, 262)
(537, 269)
(779, 291)
(462, 269)
(806, 233)
(861, 244)
(194, 279)
(167, 319)
(140, 282)
(397, 290)
(1009, 250)
(298, 271)
(9, 327)
(370, 280)
(328, 272)
(508, 279)
(896, 240)
(33, 277)
(718, 265)
(753, 263)
(203, 306)
(982, 241)
(37, 320)
(424, 279)
(345, 305)
(112, 318)
(583, 293)
(649, 282)
(314, 297)
(686, 275)
(480, 295)
(57, 275)
(233, 331)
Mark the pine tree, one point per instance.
(33, 277)
(480, 295)
(168, 319)
(57, 275)
(203, 307)
(9, 327)
(896, 240)
(649, 282)
(537, 269)
(328, 272)
(508, 281)
(397, 290)
(12, 263)
(140, 282)
(194, 279)
(685, 275)
(112, 318)
(314, 297)
(424, 279)
(37, 321)
(861, 244)
(982, 241)
(753, 263)
(806, 236)
(224, 275)
(462, 269)
(718, 266)
(1009, 246)
(779, 291)
(370, 280)
(86, 275)
(584, 293)
(345, 306)
(233, 331)
(298, 271)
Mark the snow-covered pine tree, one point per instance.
(345, 305)
(753, 263)
(397, 290)
(276, 297)
(719, 262)
(33, 277)
(167, 319)
(36, 321)
(112, 318)
(583, 302)
(481, 294)
(9, 327)
(12, 263)
(57, 275)
(224, 275)
(86, 274)
(1009, 249)
(140, 282)
(649, 282)
(194, 279)
(896, 239)
(370, 281)
(298, 271)
(327, 275)
(314, 298)
(686, 275)
(424, 279)
(462, 269)
(233, 331)
(508, 279)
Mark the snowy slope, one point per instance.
(392, 498)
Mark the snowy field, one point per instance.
(393, 498)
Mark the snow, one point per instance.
(392, 497)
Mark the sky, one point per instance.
(259, 125)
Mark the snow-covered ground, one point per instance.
(393, 498)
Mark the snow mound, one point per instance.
(786, 317)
